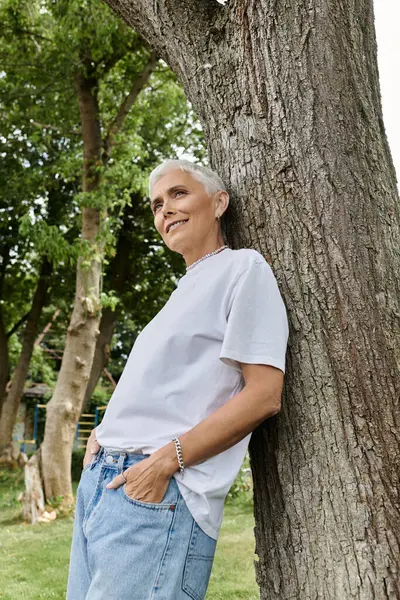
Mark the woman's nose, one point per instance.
(167, 209)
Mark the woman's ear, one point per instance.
(223, 202)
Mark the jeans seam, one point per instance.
(158, 575)
(190, 556)
(88, 514)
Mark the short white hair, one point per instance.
(210, 180)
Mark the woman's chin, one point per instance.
(180, 246)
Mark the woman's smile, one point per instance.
(176, 225)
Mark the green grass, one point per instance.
(233, 574)
(34, 558)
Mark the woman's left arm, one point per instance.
(259, 399)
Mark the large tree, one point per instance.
(288, 96)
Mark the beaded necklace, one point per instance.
(207, 256)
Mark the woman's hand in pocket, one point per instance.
(92, 447)
(146, 481)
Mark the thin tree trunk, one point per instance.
(47, 327)
(4, 361)
(64, 408)
(9, 452)
(288, 97)
(33, 497)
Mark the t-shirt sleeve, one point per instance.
(257, 328)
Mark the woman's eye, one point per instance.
(159, 203)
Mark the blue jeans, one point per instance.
(127, 549)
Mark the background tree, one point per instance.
(288, 97)
(39, 108)
(34, 239)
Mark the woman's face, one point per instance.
(179, 196)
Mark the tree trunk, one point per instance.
(64, 408)
(9, 452)
(33, 497)
(288, 97)
(4, 361)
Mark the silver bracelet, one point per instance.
(179, 455)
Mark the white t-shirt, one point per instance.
(183, 366)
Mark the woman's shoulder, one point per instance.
(247, 257)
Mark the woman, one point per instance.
(200, 377)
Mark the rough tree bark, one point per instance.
(8, 453)
(288, 96)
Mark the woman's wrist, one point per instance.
(168, 457)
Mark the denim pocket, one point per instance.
(199, 562)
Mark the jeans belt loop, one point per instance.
(121, 461)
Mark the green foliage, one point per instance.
(44, 47)
(49, 240)
(11, 485)
(10, 480)
(76, 463)
(109, 299)
(54, 502)
(14, 350)
(101, 394)
(40, 368)
(242, 487)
